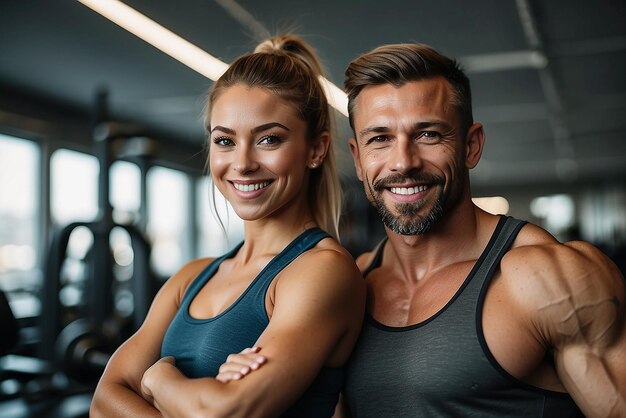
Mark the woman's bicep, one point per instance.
(313, 313)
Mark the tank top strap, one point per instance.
(503, 236)
(302, 243)
(378, 257)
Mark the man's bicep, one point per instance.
(595, 380)
(590, 343)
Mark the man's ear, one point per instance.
(474, 142)
(354, 150)
(320, 148)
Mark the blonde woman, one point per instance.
(289, 287)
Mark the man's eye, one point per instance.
(430, 135)
(379, 138)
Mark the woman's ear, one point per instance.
(319, 150)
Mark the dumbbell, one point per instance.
(82, 350)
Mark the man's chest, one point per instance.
(489, 313)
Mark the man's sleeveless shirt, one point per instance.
(442, 366)
(200, 346)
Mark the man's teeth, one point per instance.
(250, 187)
(408, 190)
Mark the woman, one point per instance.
(289, 288)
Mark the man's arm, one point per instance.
(580, 314)
(319, 303)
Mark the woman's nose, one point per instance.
(245, 160)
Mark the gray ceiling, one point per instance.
(548, 77)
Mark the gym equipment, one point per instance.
(8, 325)
(82, 347)
(74, 347)
(83, 350)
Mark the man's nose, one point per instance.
(405, 156)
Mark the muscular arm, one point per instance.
(318, 304)
(580, 314)
(118, 393)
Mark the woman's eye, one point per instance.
(222, 140)
(269, 140)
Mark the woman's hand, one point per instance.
(239, 365)
(153, 375)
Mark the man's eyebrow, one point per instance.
(430, 123)
(258, 129)
(416, 127)
(373, 130)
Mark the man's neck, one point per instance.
(461, 235)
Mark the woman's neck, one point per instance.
(271, 235)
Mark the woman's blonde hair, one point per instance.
(288, 67)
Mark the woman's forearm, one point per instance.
(114, 400)
(176, 396)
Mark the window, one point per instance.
(168, 219)
(125, 192)
(73, 187)
(20, 212)
(557, 213)
(211, 240)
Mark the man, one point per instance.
(469, 314)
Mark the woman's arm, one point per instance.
(318, 308)
(118, 393)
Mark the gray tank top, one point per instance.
(442, 367)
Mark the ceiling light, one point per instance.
(181, 49)
(502, 61)
(495, 205)
(159, 37)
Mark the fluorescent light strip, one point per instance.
(496, 205)
(159, 37)
(336, 97)
(183, 50)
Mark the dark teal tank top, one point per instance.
(442, 366)
(200, 346)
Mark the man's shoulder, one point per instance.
(537, 253)
(560, 283)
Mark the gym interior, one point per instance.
(103, 184)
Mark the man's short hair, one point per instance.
(398, 64)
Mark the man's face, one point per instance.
(409, 152)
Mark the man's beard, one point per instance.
(406, 221)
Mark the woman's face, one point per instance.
(258, 152)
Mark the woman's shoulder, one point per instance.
(327, 276)
(329, 250)
(328, 260)
(179, 282)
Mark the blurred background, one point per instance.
(103, 190)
